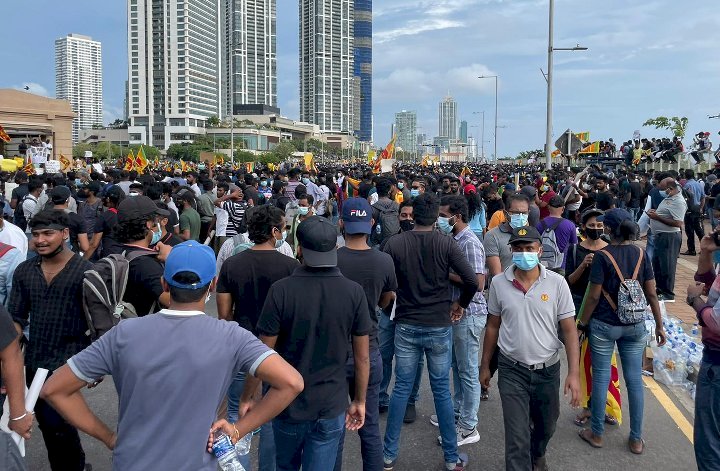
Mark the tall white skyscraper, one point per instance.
(78, 79)
(447, 118)
(406, 130)
(249, 52)
(174, 69)
(327, 83)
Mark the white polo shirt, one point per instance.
(529, 327)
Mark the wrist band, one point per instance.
(19, 418)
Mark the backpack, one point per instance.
(551, 256)
(631, 305)
(240, 243)
(387, 222)
(20, 219)
(90, 214)
(103, 290)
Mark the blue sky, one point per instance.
(649, 58)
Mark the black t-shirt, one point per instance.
(603, 272)
(422, 266)
(171, 239)
(143, 286)
(603, 200)
(375, 272)
(313, 313)
(251, 193)
(635, 195)
(7, 330)
(105, 224)
(76, 224)
(575, 255)
(248, 276)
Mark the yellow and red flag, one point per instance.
(3, 135)
(389, 150)
(465, 171)
(29, 169)
(593, 148)
(141, 162)
(64, 163)
(249, 167)
(183, 166)
(219, 159)
(129, 161)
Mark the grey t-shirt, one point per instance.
(171, 371)
(672, 207)
(496, 244)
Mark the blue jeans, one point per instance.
(465, 363)
(370, 440)
(312, 444)
(630, 341)
(711, 217)
(650, 246)
(386, 338)
(707, 418)
(411, 342)
(266, 448)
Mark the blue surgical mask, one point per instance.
(663, 193)
(400, 185)
(518, 220)
(525, 261)
(279, 242)
(444, 225)
(414, 193)
(263, 183)
(156, 235)
(303, 210)
(78, 182)
(305, 181)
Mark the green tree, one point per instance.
(245, 156)
(151, 152)
(185, 151)
(675, 124)
(527, 154)
(283, 151)
(213, 122)
(78, 151)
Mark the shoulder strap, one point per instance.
(637, 267)
(555, 226)
(620, 275)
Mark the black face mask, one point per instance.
(407, 225)
(594, 234)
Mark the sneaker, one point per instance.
(410, 414)
(460, 464)
(388, 465)
(464, 437)
(383, 408)
(434, 420)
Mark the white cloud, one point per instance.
(415, 27)
(111, 113)
(32, 87)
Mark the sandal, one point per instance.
(586, 435)
(610, 420)
(582, 418)
(637, 447)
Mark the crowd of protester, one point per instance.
(333, 284)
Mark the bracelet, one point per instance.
(19, 418)
(237, 434)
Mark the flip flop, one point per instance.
(586, 439)
(610, 420)
(642, 446)
(581, 421)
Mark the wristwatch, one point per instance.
(582, 327)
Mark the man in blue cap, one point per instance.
(375, 272)
(171, 371)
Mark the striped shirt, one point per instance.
(236, 214)
(474, 252)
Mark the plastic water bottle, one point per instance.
(695, 330)
(225, 453)
(242, 447)
(378, 229)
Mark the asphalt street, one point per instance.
(667, 448)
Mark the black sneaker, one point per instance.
(388, 466)
(383, 408)
(410, 414)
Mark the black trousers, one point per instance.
(693, 227)
(531, 407)
(664, 261)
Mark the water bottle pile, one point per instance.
(228, 455)
(676, 363)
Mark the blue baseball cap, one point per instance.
(614, 217)
(357, 216)
(193, 257)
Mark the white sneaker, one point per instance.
(434, 420)
(464, 437)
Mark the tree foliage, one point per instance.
(675, 124)
(527, 154)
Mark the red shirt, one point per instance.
(545, 198)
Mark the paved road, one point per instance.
(667, 448)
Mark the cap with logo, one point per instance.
(357, 216)
(525, 234)
(318, 239)
(190, 256)
(138, 207)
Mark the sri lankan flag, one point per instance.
(64, 163)
(350, 184)
(583, 136)
(29, 169)
(129, 161)
(249, 167)
(389, 150)
(3, 135)
(593, 148)
(465, 171)
(183, 166)
(141, 162)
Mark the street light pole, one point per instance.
(496, 110)
(548, 122)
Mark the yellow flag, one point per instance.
(64, 163)
(593, 148)
(371, 156)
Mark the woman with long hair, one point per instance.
(476, 211)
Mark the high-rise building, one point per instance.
(406, 130)
(463, 131)
(447, 118)
(78, 79)
(174, 69)
(363, 69)
(328, 89)
(249, 53)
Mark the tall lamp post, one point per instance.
(496, 108)
(482, 135)
(549, 79)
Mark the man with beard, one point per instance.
(48, 288)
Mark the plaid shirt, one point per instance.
(57, 321)
(475, 254)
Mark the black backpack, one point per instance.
(103, 290)
(387, 222)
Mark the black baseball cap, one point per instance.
(60, 194)
(318, 239)
(138, 207)
(590, 213)
(525, 234)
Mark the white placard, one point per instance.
(52, 166)
(386, 165)
(31, 397)
(98, 168)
